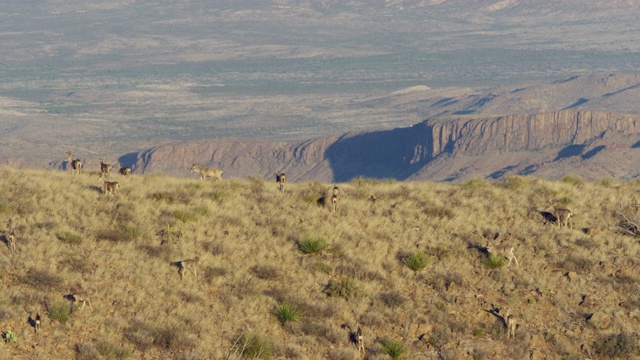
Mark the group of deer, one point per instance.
(109, 187)
(563, 218)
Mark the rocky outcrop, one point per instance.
(399, 153)
(526, 132)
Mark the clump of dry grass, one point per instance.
(250, 239)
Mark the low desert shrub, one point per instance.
(494, 261)
(416, 261)
(288, 312)
(345, 288)
(392, 299)
(394, 348)
(60, 312)
(311, 244)
(254, 346)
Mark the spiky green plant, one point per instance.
(394, 348)
(312, 244)
(288, 312)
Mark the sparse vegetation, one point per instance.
(287, 272)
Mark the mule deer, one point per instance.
(190, 264)
(212, 172)
(356, 338)
(105, 169)
(76, 298)
(334, 198)
(505, 250)
(563, 217)
(11, 241)
(75, 164)
(37, 323)
(124, 171)
(281, 179)
(510, 322)
(110, 187)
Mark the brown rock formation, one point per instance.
(426, 150)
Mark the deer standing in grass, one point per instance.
(334, 198)
(212, 172)
(124, 171)
(563, 217)
(510, 322)
(77, 298)
(356, 338)
(37, 323)
(281, 179)
(110, 187)
(11, 239)
(105, 169)
(190, 264)
(75, 164)
(504, 250)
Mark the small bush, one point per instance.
(60, 312)
(478, 332)
(494, 261)
(616, 346)
(392, 299)
(345, 288)
(288, 312)
(312, 245)
(254, 346)
(108, 350)
(9, 336)
(416, 261)
(394, 348)
(69, 238)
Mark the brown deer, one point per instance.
(124, 171)
(212, 172)
(105, 169)
(190, 264)
(281, 179)
(75, 164)
(110, 187)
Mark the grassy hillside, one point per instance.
(409, 267)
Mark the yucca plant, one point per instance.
(288, 312)
(312, 244)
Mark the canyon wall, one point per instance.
(398, 153)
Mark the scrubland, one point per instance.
(281, 276)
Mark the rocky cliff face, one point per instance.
(400, 153)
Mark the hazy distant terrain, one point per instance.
(114, 78)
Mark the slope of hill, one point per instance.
(280, 276)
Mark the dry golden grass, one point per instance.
(574, 295)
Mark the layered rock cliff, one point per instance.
(399, 153)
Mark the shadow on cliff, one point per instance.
(391, 154)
